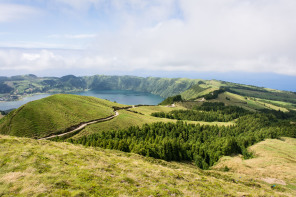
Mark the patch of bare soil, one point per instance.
(273, 181)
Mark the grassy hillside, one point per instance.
(264, 93)
(43, 168)
(200, 89)
(129, 118)
(274, 163)
(54, 114)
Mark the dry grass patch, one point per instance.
(274, 163)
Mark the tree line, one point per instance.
(202, 144)
(208, 112)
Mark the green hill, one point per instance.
(43, 168)
(15, 87)
(54, 114)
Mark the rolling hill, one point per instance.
(54, 114)
(211, 125)
(16, 87)
(42, 168)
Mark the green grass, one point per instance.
(54, 114)
(248, 103)
(128, 118)
(266, 94)
(43, 168)
(280, 104)
(274, 163)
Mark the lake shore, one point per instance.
(127, 97)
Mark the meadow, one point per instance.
(45, 168)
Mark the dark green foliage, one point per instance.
(226, 169)
(208, 112)
(197, 88)
(5, 88)
(202, 144)
(171, 100)
(279, 114)
(5, 112)
(214, 94)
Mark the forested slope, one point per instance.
(203, 144)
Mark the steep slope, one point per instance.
(160, 86)
(54, 114)
(43, 168)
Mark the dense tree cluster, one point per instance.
(208, 112)
(214, 94)
(171, 100)
(202, 144)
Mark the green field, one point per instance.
(280, 104)
(54, 114)
(44, 168)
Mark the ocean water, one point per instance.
(127, 97)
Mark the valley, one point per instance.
(206, 138)
(139, 98)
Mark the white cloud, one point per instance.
(39, 45)
(72, 36)
(216, 35)
(13, 12)
(184, 35)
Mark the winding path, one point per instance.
(82, 126)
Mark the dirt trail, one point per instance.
(82, 126)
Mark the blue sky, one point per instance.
(246, 41)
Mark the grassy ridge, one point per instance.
(54, 114)
(33, 168)
(249, 103)
(275, 162)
